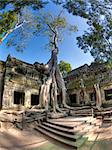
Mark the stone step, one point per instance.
(82, 107)
(72, 119)
(81, 115)
(94, 122)
(81, 111)
(69, 119)
(84, 130)
(75, 144)
(72, 124)
(91, 120)
(68, 131)
(60, 125)
(56, 137)
(107, 120)
(83, 126)
(65, 135)
(89, 127)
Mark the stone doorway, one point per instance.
(73, 99)
(19, 97)
(34, 99)
(93, 97)
(59, 98)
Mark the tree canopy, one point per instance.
(21, 21)
(53, 27)
(11, 12)
(98, 13)
(64, 67)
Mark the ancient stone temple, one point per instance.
(90, 75)
(19, 84)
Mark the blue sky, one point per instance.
(69, 51)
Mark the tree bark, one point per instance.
(55, 81)
(86, 97)
(98, 96)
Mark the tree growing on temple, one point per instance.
(23, 25)
(98, 38)
(53, 27)
(98, 14)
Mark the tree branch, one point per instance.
(17, 26)
(54, 39)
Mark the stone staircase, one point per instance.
(82, 112)
(105, 115)
(62, 133)
(70, 131)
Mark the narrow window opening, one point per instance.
(92, 96)
(108, 94)
(34, 99)
(19, 97)
(73, 98)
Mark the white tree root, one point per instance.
(61, 85)
(45, 94)
(44, 98)
(98, 96)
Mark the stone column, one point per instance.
(6, 97)
(27, 102)
(102, 95)
(78, 97)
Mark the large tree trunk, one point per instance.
(61, 85)
(52, 85)
(98, 96)
(54, 82)
(86, 97)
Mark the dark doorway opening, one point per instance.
(19, 97)
(73, 99)
(34, 99)
(93, 97)
(108, 94)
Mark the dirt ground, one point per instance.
(12, 138)
(15, 139)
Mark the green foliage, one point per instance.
(40, 23)
(17, 5)
(64, 67)
(98, 14)
(7, 20)
(109, 64)
(59, 22)
(98, 39)
(53, 23)
(8, 17)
